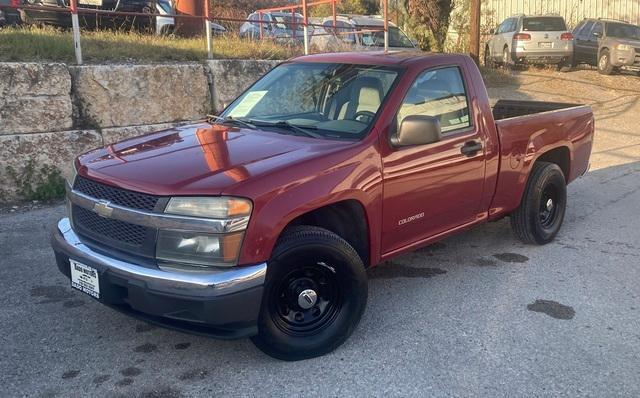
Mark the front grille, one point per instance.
(113, 229)
(118, 196)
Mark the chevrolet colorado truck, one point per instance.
(262, 221)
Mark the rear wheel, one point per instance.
(488, 62)
(604, 63)
(506, 58)
(314, 297)
(541, 212)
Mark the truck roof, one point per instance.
(381, 58)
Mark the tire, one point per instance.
(316, 265)
(488, 62)
(539, 217)
(506, 58)
(604, 63)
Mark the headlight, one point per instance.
(204, 249)
(624, 47)
(198, 249)
(214, 207)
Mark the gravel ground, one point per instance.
(478, 314)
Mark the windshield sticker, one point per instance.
(247, 103)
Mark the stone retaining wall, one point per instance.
(49, 113)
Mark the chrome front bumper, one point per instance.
(195, 284)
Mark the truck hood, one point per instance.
(200, 159)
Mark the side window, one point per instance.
(586, 30)
(502, 27)
(597, 28)
(513, 23)
(577, 29)
(439, 93)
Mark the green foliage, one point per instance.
(362, 7)
(429, 21)
(45, 184)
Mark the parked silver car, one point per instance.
(345, 35)
(280, 25)
(541, 39)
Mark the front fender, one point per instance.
(358, 179)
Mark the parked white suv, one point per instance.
(521, 39)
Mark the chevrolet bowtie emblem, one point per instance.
(103, 209)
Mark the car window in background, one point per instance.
(287, 22)
(586, 31)
(623, 31)
(439, 93)
(512, 24)
(576, 31)
(503, 27)
(597, 29)
(396, 38)
(543, 24)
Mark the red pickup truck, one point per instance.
(263, 220)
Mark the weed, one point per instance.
(43, 184)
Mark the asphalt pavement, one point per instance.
(479, 314)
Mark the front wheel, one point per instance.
(604, 63)
(315, 294)
(541, 212)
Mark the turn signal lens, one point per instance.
(209, 207)
(197, 249)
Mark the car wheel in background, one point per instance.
(488, 62)
(314, 295)
(541, 212)
(604, 63)
(506, 58)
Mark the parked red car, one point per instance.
(263, 221)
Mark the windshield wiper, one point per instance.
(230, 120)
(299, 130)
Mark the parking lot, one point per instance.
(479, 314)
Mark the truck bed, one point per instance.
(504, 109)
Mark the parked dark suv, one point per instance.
(608, 44)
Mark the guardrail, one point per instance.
(207, 19)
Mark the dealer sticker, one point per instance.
(85, 278)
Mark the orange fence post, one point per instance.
(333, 13)
(207, 29)
(76, 31)
(386, 25)
(305, 27)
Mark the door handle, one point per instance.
(470, 148)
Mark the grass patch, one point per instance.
(51, 44)
(497, 77)
(44, 184)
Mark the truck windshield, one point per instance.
(325, 100)
(623, 31)
(543, 24)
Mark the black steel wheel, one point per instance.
(314, 295)
(541, 212)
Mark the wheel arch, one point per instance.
(346, 218)
(560, 156)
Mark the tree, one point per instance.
(362, 7)
(429, 21)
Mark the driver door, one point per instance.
(430, 189)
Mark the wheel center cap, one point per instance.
(307, 299)
(549, 204)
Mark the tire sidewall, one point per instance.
(552, 175)
(352, 282)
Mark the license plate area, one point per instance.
(85, 279)
(97, 3)
(544, 44)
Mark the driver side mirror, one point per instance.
(417, 130)
(597, 34)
